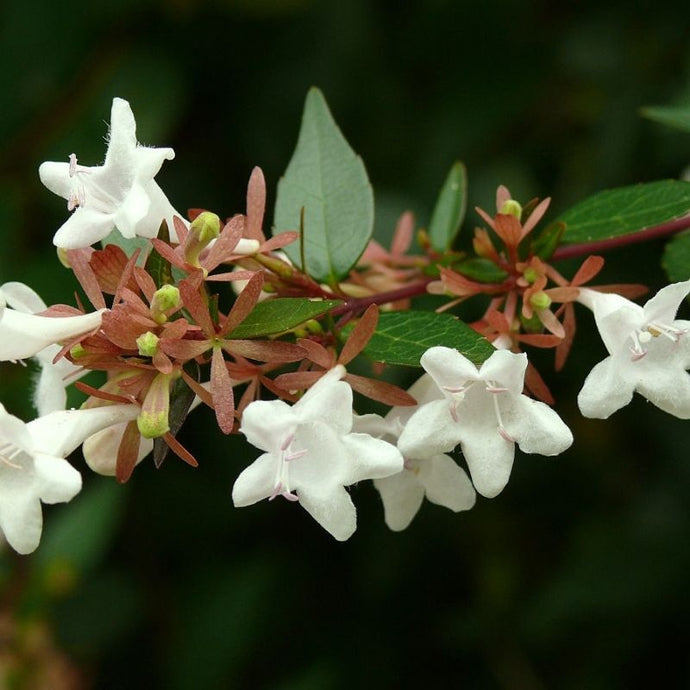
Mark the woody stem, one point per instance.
(360, 303)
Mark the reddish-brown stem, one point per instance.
(572, 251)
(361, 303)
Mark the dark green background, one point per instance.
(575, 576)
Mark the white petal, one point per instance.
(664, 305)
(20, 515)
(22, 298)
(605, 391)
(507, 369)
(490, 460)
(13, 431)
(149, 160)
(335, 512)
(669, 390)
(267, 423)
(370, 458)
(83, 228)
(122, 140)
(55, 176)
(100, 450)
(160, 209)
(256, 482)
(536, 427)
(50, 394)
(446, 483)
(375, 425)
(56, 480)
(133, 209)
(431, 430)
(402, 497)
(61, 432)
(329, 400)
(448, 367)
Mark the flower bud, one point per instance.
(511, 208)
(530, 275)
(148, 344)
(204, 229)
(540, 300)
(164, 299)
(152, 421)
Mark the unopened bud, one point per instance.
(62, 257)
(152, 421)
(164, 299)
(204, 229)
(148, 344)
(313, 326)
(511, 208)
(540, 300)
(530, 275)
(77, 351)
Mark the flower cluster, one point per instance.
(273, 364)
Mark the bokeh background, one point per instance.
(575, 576)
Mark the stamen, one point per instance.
(295, 455)
(7, 457)
(72, 164)
(286, 443)
(455, 391)
(453, 410)
(501, 428)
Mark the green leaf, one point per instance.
(328, 180)
(547, 241)
(626, 210)
(677, 117)
(281, 314)
(402, 337)
(157, 266)
(450, 208)
(676, 258)
(481, 270)
(129, 246)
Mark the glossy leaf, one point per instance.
(403, 337)
(280, 314)
(625, 210)
(676, 259)
(328, 180)
(450, 208)
(481, 270)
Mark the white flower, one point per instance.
(649, 352)
(485, 412)
(33, 466)
(311, 454)
(438, 477)
(120, 193)
(25, 334)
(49, 394)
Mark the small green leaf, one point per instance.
(677, 117)
(676, 258)
(157, 266)
(280, 314)
(402, 337)
(328, 180)
(449, 211)
(481, 270)
(548, 239)
(129, 246)
(626, 210)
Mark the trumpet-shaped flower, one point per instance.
(33, 468)
(120, 193)
(649, 352)
(25, 334)
(49, 394)
(438, 477)
(311, 454)
(485, 412)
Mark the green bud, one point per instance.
(530, 275)
(540, 300)
(147, 344)
(152, 421)
(313, 326)
(62, 257)
(164, 299)
(511, 208)
(204, 229)
(77, 351)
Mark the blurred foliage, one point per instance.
(572, 578)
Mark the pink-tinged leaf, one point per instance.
(502, 195)
(123, 329)
(103, 395)
(298, 380)
(145, 283)
(563, 294)
(181, 228)
(256, 203)
(382, 391)
(374, 253)
(79, 262)
(279, 241)
(184, 350)
(223, 247)
(108, 264)
(317, 353)
(540, 340)
(360, 335)
(248, 396)
(199, 390)
(265, 350)
(221, 392)
(127, 277)
(128, 452)
(550, 322)
(233, 275)
(535, 216)
(133, 302)
(535, 384)
(277, 390)
(627, 290)
(179, 450)
(569, 325)
(194, 304)
(245, 302)
(508, 228)
(404, 231)
(590, 267)
(485, 217)
(174, 330)
(162, 362)
(169, 254)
